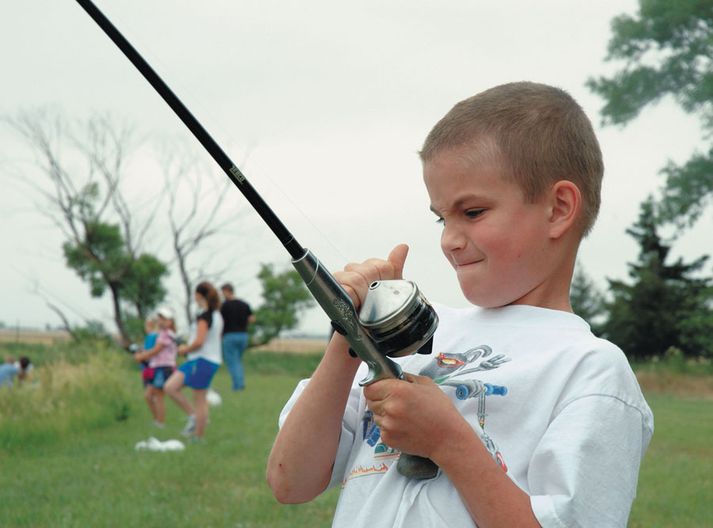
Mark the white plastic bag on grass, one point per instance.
(154, 444)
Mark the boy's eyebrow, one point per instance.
(460, 202)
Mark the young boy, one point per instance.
(532, 420)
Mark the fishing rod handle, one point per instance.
(338, 306)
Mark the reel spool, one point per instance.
(399, 318)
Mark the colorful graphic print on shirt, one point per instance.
(449, 370)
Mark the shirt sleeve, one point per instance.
(207, 316)
(585, 475)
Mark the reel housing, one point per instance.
(399, 318)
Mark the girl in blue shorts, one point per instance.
(203, 359)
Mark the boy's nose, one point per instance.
(452, 239)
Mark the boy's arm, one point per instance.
(298, 470)
(419, 418)
(492, 498)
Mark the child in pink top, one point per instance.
(162, 362)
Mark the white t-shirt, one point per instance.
(562, 411)
(211, 350)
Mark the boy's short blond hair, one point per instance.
(541, 135)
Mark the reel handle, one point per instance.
(416, 467)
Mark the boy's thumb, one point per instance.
(397, 258)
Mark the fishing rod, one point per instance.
(395, 319)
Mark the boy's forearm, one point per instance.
(491, 497)
(300, 463)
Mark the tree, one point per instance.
(199, 217)
(103, 239)
(665, 305)
(101, 258)
(586, 299)
(666, 50)
(284, 297)
(106, 234)
(143, 286)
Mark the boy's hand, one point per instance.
(414, 417)
(356, 278)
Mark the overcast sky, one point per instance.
(327, 103)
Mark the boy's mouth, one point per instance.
(464, 264)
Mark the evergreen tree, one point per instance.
(586, 299)
(665, 305)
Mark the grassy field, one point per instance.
(67, 453)
(676, 480)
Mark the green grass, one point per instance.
(676, 478)
(90, 474)
(67, 455)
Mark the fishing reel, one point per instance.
(401, 322)
(395, 319)
(399, 318)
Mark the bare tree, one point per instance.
(84, 173)
(198, 213)
(83, 165)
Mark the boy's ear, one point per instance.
(565, 206)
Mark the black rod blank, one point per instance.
(230, 169)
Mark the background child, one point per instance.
(161, 362)
(150, 335)
(532, 420)
(12, 369)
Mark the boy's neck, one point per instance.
(553, 292)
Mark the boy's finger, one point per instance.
(397, 258)
(379, 390)
(418, 380)
(352, 282)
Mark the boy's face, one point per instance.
(496, 242)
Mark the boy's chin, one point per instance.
(486, 301)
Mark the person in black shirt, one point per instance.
(237, 315)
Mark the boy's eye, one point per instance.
(441, 221)
(474, 213)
